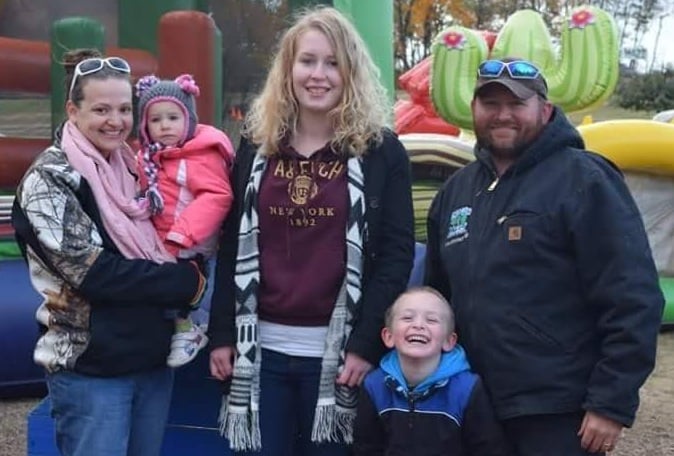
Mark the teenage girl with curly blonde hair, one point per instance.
(320, 245)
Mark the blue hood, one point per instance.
(451, 363)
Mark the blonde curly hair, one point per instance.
(363, 110)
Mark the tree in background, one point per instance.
(250, 31)
(417, 22)
(491, 15)
(652, 92)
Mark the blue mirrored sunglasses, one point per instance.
(94, 65)
(517, 69)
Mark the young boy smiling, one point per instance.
(423, 399)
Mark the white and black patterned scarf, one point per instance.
(336, 406)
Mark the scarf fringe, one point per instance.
(155, 199)
(333, 424)
(241, 428)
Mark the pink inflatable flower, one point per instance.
(454, 40)
(581, 18)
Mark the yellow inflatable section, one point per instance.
(633, 145)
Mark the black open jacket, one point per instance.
(389, 246)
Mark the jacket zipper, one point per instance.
(482, 232)
(411, 400)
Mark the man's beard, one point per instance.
(510, 153)
(524, 139)
(503, 153)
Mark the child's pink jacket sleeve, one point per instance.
(208, 179)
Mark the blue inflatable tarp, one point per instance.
(19, 375)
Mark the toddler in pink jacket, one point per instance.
(185, 169)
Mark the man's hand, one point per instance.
(354, 371)
(222, 362)
(598, 433)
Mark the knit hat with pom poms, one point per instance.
(181, 91)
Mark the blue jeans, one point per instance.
(288, 395)
(116, 416)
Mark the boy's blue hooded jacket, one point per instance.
(446, 414)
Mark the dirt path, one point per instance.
(653, 431)
(652, 434)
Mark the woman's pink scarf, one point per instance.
(114, 189)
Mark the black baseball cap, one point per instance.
(520, 76)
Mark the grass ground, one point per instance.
(609, 112)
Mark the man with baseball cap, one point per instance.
(542, 252)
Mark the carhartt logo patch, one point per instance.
(515, 233)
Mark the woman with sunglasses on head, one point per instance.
(320, 244)
(106, 279)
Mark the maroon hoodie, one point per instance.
(303, 210)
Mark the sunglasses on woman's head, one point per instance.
(517, 69)
(94, 65)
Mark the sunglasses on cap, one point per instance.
(517, 69)
(94, 65)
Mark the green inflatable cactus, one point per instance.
(583, 74)
(456, 54)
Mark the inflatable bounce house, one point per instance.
(581, 76)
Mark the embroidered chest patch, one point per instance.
(515, 233)
(458, 225)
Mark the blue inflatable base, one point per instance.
(19, 375)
